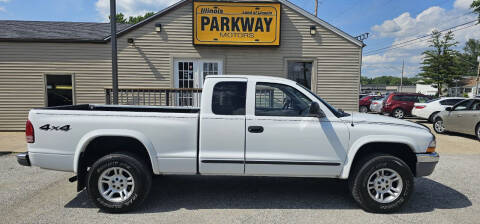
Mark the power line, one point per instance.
(405, 43)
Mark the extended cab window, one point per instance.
(280, 100)
(229, 98)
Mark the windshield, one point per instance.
(338, 113)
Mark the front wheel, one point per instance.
(439, 126)
(381, 183)
(118, 182)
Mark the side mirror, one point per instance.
(315, 110)
(448, 109)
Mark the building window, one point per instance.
(301, 72)
(59, 90)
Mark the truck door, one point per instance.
(222, 127)
(283, 139)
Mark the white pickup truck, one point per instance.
(247, 125)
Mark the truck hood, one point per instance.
(357, 117)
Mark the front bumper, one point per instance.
(23, 159)
(426, 163)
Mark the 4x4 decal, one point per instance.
(48, 127)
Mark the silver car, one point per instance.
(376, 105)
(463, 117)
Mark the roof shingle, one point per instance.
(55, 31)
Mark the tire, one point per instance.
(431, 119)
(126, 174)
(477, 131)
(398, 113)
(439, 126)
(366, 174)
(363, 109)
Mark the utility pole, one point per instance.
(113, 39)
(401, 79)
(316, 7)
(478, 73)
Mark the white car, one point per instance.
(246, 126)
(429, 109)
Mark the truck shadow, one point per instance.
(170, 193)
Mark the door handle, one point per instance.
(459, 115)
(255, 129)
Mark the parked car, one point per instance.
(246, 125)
(364, 103)
(464, 117)
(431, 108)
(400, 105)
(376, 105)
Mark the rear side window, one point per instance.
(229, 98)
(403, 98)
(476, 105)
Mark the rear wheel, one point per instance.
(118, 182)
(382, 183)
(439, 126)
(399, 113)
(363, 109)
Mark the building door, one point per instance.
(59, 90)
(301, 72)
(190, 73)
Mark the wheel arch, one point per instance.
(90, 137)
(400, 147)
(432, 116)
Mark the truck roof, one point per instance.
(261, 78)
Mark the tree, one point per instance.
(132, 19)
(476, 8)
(389, 80)
(467, 61)
(439, 63)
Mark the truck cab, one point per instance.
(249, 114)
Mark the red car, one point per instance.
(399, 105)
(364, 103)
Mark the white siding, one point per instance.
(149, 62)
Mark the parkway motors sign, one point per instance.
(228, 23)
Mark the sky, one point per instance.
(389, 22)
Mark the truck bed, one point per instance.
(128, 108)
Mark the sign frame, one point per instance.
(249, 44)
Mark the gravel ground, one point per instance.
(33, 195)
(450, 195)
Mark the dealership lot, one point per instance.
(32, 195)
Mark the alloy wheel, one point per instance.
(439, 127)
(384, 185)
(398, 113)
(116, 184)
